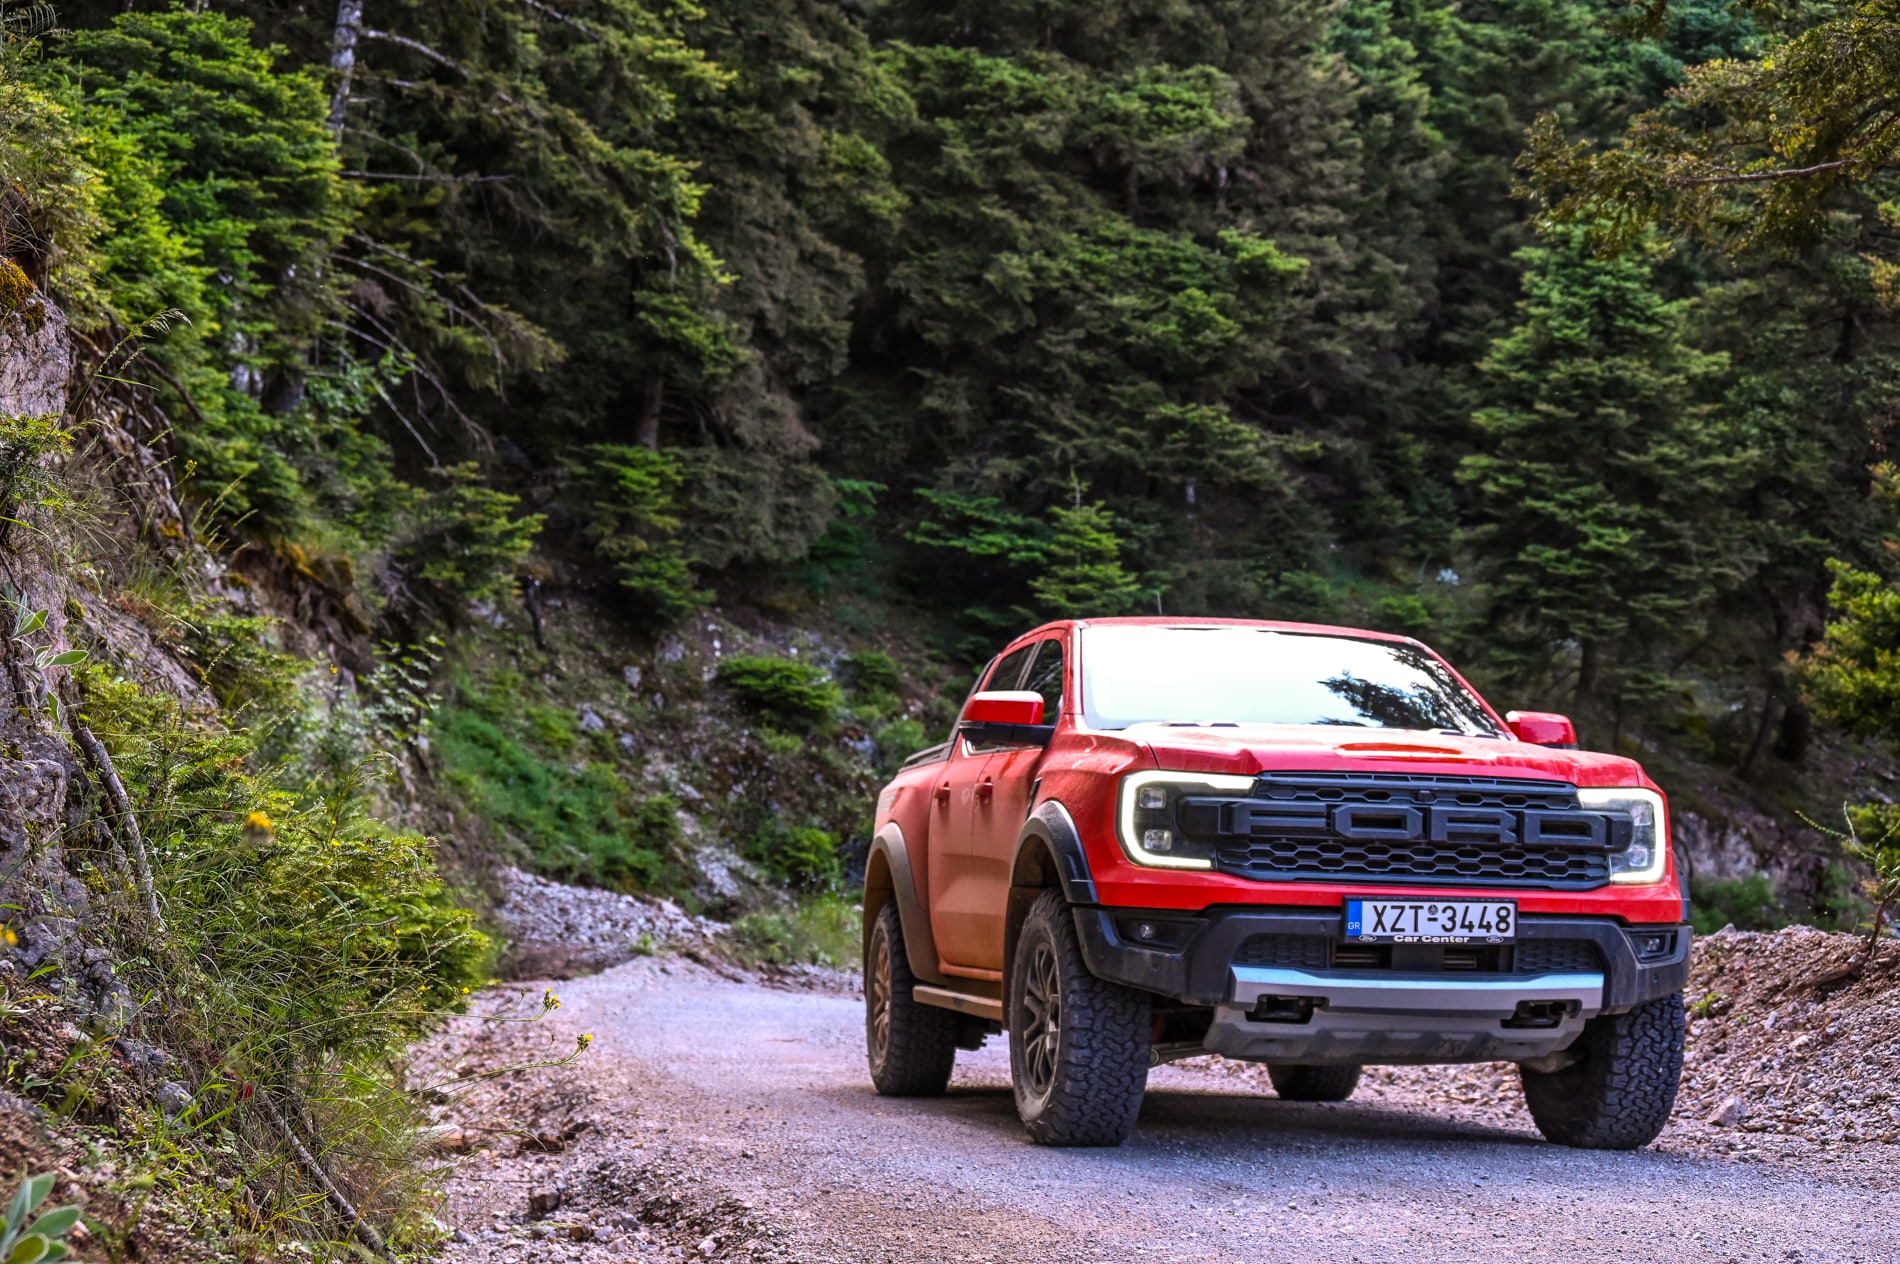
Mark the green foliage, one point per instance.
(782, 689)
(348, 739)
(1603, 505)
(54, 216)
(305, 947)
(822, 930)
(42, 1239)
(898, 741)
(799, 856)
(1874, 840)
(1853, 679)
(1750, 151)
(872, 672)
(576, 819)
(459, 543)
(632, 502)
(752, 507)
(27, 624)
(1084, 577)
(1853, 675)
(221, 198)
(27, 445)
(1746, 903)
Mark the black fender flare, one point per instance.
(920, 946)
(1050, 831)
(1048, 853)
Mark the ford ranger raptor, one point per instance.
(1311, 847)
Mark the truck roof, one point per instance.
(1271, 625)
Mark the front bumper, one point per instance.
(1318, 1018)
(1315, 1013)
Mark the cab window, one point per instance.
(1008, 671)
(1045, 677)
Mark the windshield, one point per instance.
(1155, 674)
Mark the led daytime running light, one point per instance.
(1651, 834)
(1132, 837)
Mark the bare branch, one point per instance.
(1759, 177)
(416, 46)
(424, 178)
(559, 16)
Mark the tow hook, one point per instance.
(1541, 1013)
(1283, 1009)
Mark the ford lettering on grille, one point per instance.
(1398, 827)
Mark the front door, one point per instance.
(961, 795)
(1002, 794)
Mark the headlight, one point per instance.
(1150, 825)
(1642, 860)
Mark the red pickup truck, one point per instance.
(1312, 847)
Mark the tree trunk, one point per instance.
(349, 27)
(648, 434)
(1769, 710)
(1586, 675)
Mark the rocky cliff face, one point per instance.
(48, 794)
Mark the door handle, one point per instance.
(985, 790)
(943, 795)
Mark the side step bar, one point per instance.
(961, 1002)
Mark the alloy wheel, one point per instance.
(1042, 1013)
(879, 985)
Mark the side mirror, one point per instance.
(1543, 728)
(1008, 717)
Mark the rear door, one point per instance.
(960, 791)
(1003, 793)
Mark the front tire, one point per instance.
(1078, 1046)
(1314, 1083)
(911, 1047)
(1619, 1093)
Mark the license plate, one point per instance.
(1431, 921)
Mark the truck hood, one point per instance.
(1312, 748)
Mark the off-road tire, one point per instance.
(1618, 1095)
(913, 1048)
(1078, 1046)
(1314, 1083)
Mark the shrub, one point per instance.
(793, 693)
(823, 932)
(797, 856)
(898, 741)
(1747, 903)
(304, 947)
(872, 672)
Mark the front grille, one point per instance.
(1313, 952)
(1377, 827)
(1558, 956)
(1309, 952)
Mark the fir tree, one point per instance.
(1603, 491)
(1084, 577)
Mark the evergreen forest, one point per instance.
(1559, 333)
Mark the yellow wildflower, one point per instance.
(6, 933)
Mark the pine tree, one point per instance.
(1604, 503)
(1084, 577)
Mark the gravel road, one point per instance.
(715, 1118)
